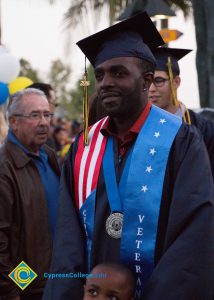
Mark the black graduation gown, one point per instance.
(206, 128)
(184, 260)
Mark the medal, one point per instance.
(114, 225)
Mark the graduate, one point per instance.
(163, 93)
(138, 188)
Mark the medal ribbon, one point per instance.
(112, 191)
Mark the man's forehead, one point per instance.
(117, 62)
(34, 102)
(160, 73)
(35, 98)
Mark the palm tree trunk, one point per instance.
(204, 27)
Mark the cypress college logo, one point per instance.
(22, 275)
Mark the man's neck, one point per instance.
(172, 109)
(121, 125)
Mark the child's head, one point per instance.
(118, 283)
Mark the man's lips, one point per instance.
(42, 133)
(109, 95)
(154, 98)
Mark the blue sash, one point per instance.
(87, 216)
(140, 191)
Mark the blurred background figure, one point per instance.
(163, 93)
(3, 128)
(61, 142)
(75, 129)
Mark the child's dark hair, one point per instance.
(122, 268)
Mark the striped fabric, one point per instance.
(88, 161)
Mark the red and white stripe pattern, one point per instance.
(88, 161)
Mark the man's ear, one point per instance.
(177, 81)
(148, 78)
(12, 123)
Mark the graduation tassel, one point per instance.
(184, 111)
(85, 84)
(174, 97)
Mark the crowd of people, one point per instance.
(135, 205)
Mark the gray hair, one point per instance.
(14, 106)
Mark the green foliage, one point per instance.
(59, 77)
(78, 7)
(184, 5)
(77, 95)
(28, 71)
(116, 7)
(70, 100)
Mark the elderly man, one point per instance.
(29, 188)
(141, 191)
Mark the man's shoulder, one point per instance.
(188, 134)
(5, 150)
(6, 156)
(188, 138)
(49, 150)
(204, 125)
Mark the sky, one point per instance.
(35, 30)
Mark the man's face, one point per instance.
(160, 93)
(32, 133)
(120, 86)
(62, 137)
(115, 286)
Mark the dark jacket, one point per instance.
(24, 227)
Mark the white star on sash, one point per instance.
(152, 151)
(162, 121)
(149, 169)
(144, 188)
(157, 134)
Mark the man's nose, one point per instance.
(107, 81)
(152, 87)
(44, 120)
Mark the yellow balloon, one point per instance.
(19, 84)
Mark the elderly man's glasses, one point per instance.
(159, 81)
(36, 116)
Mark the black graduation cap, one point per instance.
(161, 55)
(133, 37)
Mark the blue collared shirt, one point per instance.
(50, 180)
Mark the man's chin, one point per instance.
(41, 141)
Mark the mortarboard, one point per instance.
(133, 37)
(163, 53)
